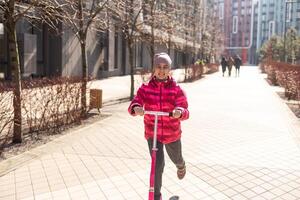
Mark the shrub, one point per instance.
(48, 104)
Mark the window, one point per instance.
(235, 5)
(104, 38)
(271, 29)
(138, 54)
(1, 30)
(242, 11)
(116, 50)
(289, 12)
(249, 11)
(87, 4)
(2, 54)
(263, 17)
(235, 24)
(221, 10)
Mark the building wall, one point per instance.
(107, 53)
(4, 71)
(253, 53)
(267, 15)
(275, 11)
(236, 20)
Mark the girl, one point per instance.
(162, 93)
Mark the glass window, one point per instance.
(1, 30)
(249, 11)
(221, 10)
(104, 38)
(116, 56)
(242, 11)
(235, 24)
(271, 28)
(289, 12)
(1, 51)
(235, 4)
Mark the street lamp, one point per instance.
(285, 19)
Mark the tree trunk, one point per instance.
(152, 46)
(84, 78)
(169, 44)
(131, 69)
(16, 76)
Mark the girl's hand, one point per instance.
(138, 110)
(176, 113)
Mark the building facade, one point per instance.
(275, 17)
(45, 53)
(248, 24)
(237, 17)
(253, 54)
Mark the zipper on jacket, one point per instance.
(162, 124)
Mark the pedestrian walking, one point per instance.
(223, 64)
(163, 94)
(237, 64)
(230, 63)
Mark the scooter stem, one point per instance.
(155, 133)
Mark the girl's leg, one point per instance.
(159, 168)
(174, 151)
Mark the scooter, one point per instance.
(154, 150)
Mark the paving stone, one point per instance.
(241, 142)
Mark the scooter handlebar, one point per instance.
(158, 113)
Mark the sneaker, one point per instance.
(181, 172)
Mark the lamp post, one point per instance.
(285, 19)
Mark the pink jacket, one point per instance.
(165, 97)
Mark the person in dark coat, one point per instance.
(237, 65)
(230, 63)
(223, 64)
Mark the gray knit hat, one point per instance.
(162, 58)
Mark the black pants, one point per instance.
(174, 151)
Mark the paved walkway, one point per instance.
(241, 142)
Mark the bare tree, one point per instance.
(187, 28)
(195, 25)
(129, 20)
(211, 42)
(169, 21)
(82, 16)
(150, 15)
(158, 17)
(11, 11)
(216, 39)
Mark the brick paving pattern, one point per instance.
(241, 142)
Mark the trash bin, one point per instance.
(95, 99)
